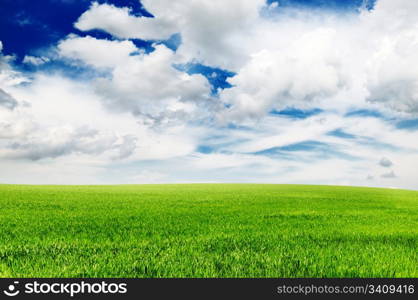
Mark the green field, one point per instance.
(205, 230)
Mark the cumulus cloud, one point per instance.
(25, 134)
(391, 79)
(65, 141)
(294, 57)
(36, 129)
(7, 101)
(310, 57)
(96, 52)
(140, 119)
(289, 77)
(66, 120)
(210, 30)
(119, 22)
(385, 162)
(35, 60)
(391, 174)
(147, 85)
(8, 76)
(309, 60)
(58, 142)
(127, 146)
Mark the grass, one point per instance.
(205, 230)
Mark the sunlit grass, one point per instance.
(207, 230)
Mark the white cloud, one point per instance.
(52, 125)
(147, 85)
(291, 58)
(210, 29)
(120, 23)
(144, 120)
(67, 116)
(392, 80)
(291, 76)
(35, 60)
(7, 101)
(385, 162)
(58, 142)
(8, 76)
(391, 174)
(95, 52)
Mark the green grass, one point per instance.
(203, 230)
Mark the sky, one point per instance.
(187, 91)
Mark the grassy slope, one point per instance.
(207, 231)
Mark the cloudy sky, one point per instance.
(294, 91)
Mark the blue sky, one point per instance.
(290, 91)
(27, 27)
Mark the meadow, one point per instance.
(207, 230)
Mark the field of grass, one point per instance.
(204, 230)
